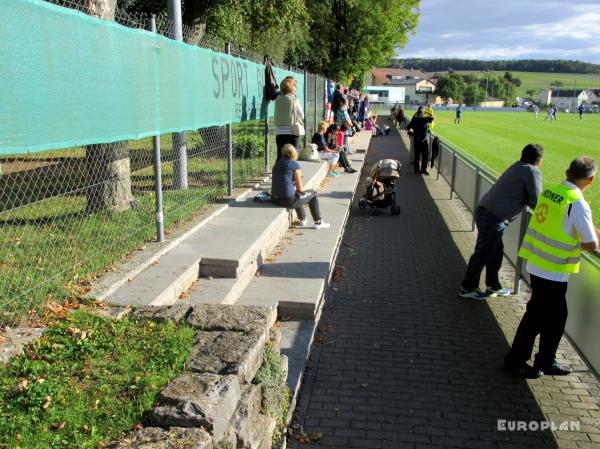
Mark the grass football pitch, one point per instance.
(495, 141)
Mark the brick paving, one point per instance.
(405, 363)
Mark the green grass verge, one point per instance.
(276, 393)
(87, 380)
(52, 249)
(541, 80)
(495, 140)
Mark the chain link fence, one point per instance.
(68, 215)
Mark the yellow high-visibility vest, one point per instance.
(546, 244)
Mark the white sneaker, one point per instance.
(301, 223)
(322, 225)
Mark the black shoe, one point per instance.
(350, 170)
(523, 370)
(555, 370)
(425, 172)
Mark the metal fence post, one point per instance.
(439, 162)
(267, 162)
(519, 264)
(453, 174)
(316, 102)
(160, 230)
(180, 163)
(305, 105)
(229, 138)
(476, 195)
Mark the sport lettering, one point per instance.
(554, 197)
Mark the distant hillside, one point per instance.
(526, 65)
(535, 81)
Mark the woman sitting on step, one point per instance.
(288, 190)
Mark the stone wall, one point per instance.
(214, 404)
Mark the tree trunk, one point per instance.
(109, 176)
(107, 165)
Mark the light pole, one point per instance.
(487, 79)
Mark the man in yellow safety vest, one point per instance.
(559, 229)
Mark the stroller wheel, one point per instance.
(395, 210)
(362, 204)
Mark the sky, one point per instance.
(507, 29)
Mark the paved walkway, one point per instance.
(403, 362)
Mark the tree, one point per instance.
(450, 87)
(107, 164)
(531, 93)
(251, 24)
(556, 83)
(349, 37)
(473, 94)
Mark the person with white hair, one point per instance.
(559, 229)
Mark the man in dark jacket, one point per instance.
(338, 96)
(519, 185)
(418, 127)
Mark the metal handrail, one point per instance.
(457, 152)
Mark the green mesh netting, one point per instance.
(68, 79)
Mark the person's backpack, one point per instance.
(271, 86)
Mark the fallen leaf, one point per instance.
(47, 402)
(137, 426)
(58, 426)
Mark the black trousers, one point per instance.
(298, 201)
(343, 160)
(489, 251)
(546, 315)
(422, 154)
(282, 139)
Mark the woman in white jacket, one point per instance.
(289, 116)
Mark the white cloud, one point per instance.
(520, 29)
(581, 27)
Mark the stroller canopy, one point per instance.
(386, 169)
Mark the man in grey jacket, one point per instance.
(519, 185)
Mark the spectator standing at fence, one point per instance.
(363, 112)
(289, 116)
(336, 99)
(518, 186)
(559, 229)
(418, 127)
(343, 118)
(288, 190)
(580, 109)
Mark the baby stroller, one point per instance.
(380, 192)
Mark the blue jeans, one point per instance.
(488, 251)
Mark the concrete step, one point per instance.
(296, 279)
(230, 245)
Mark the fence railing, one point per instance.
(470, 182)
(68, 214)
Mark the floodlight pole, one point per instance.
(160, 228)
(180, 163)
